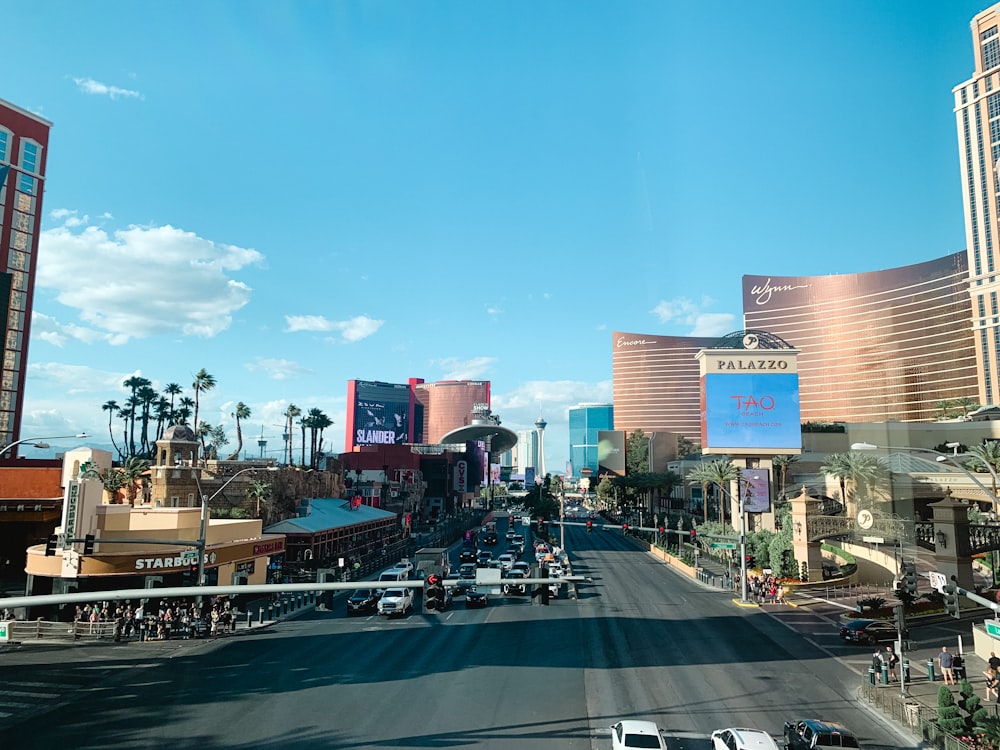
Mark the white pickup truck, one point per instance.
(396, 602)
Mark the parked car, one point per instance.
(869, 631)
(467, 571)
(475, 598)
(361, 600)
(813, 733)
(637, 734)
(742, 739)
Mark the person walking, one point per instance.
(992, 689)
(893, 658)
(946, 662)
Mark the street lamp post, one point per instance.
(39, 444)
(203, 533)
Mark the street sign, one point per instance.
(938, 581)
(4, 631)
(189, 557)
(993, 629)
(722, 545)
(873, 539)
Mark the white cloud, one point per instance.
(96, 88)
(142, 281)
(354, 329)
(683, 311)
(715, 324)
(465, 369)
(75, 379)
(277, 369)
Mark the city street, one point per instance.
(640, 642)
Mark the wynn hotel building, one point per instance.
(24, 140)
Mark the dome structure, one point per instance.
(180, 432)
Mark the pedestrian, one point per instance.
(994, 661)
(893, 662)
(946, 662)
(991, 684)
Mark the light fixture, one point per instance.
(942, 539)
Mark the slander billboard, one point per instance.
(750, 401)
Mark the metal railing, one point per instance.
(917, 718)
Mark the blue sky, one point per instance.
(291, 195)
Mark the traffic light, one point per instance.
(694, 536)
(88, 544)
(50, 545)
(431, 591)
(910, 578)
(590, 527)
(950, 596)
(625, 529)
(750, 561)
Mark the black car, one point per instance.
(512, 584)
(869, 631)
(467, 555)
(483, 560)
(361, 600)
(475, 598)
(490, 538)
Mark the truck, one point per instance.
(396, 602)
(431, 561)
(810, 734)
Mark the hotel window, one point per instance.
(988, 34)
(26, 184)
(5, 139)
(991, 54)
(965, 96)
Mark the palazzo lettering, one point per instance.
(752, 364)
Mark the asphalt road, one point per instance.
(640, 642)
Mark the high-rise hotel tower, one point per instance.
(24, 140)
(977, 111)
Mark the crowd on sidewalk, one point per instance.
(147, 620)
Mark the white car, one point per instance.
(403, 565)
(523, 567)
(506, 561)
(640, 734)
(742, 739)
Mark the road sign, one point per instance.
(189, 557)
(722, 545)
(873, 539)
(993, 629)
(4, 631)
(938, 581)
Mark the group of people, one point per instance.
(764, 589)
(162, 621)
(887, 658)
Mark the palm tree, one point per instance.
(242, 412)
(322, 423)
(163, 411)
(781, 463)
(147, 395)
(171, 389)
(984, 457)
(303, 423)
(290, 413)
(700, 475)
(111, 407)
(184, 410)
(260, 492)
(836, 466)
(723, 472)
(317, 421)
(204, 431)
(965, 405)
(132, 472)
(134, 383)
(202, 382)
(113, 481)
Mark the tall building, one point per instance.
(526, 451)
(977, 113)
(879, 346)
(656, 382)
(450, 404)
(24, 141)
(585, 421)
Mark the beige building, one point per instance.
(977, 113)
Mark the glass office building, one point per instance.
(585, 421)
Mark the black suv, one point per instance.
(813, 733)
(869, 631)
(490, 538)
(362, 600)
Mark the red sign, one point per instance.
(269, 548)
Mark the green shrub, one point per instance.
(949, 717)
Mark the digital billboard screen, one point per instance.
(381, 413)
(611, 452)
(751, 410)
(756, 488)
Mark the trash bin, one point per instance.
(911, 711)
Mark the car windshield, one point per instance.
(642, 740)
